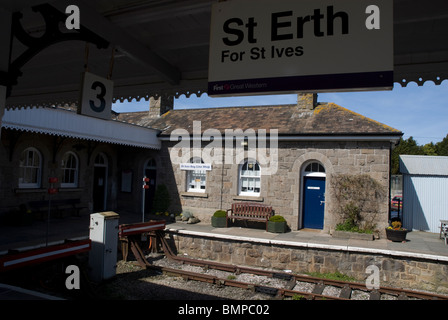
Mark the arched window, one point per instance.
(315, 167)
(250, 178)
(30, 168)
(70, 170)
(151, 164)
(100, 160)
(196, 179)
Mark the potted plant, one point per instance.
(219, 219)
(277, 224)
(395, 232)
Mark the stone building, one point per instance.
(285, 156)
(83, 153)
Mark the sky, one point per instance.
(417, 111)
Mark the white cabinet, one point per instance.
(104, 237)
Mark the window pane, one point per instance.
(315, 167)
(29, 168)
(250, 181)
(196, 179)
(69, 167)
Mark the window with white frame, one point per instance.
(314, 169)
(70, 170)
(250, 178)
(30, 168)
(196, 179)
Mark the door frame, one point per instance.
(302, 190)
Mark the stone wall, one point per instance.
(283, 190)
(413, 273)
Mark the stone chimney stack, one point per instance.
(159, 106)
(307, 101)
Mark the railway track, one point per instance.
(291, 285)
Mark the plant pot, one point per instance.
(219, 222)
(277, 227)
(396, 235)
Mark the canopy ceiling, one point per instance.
(161, 48)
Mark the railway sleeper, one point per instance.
(346, 292)
(266, 290)
(375, 295)
(319, 288)
(282, 276)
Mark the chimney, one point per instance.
(159, 106)
(307, 101)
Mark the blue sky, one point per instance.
(420, 112)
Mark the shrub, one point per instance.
(358, 200)
(352, 221)
(220, 214)
(277, 219)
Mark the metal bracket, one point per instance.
(53, 19)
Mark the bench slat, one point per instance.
(250, 211)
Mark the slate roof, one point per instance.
(324, 119)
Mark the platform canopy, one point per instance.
(69, 124)
(162, 47)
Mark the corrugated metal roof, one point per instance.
(65, 123)
(424, 165)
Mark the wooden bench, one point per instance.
(249, 211)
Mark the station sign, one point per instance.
(272, 46)
(196, 166)
(96, 96)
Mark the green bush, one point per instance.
(352, 222)
(277, 219)
(220, 214)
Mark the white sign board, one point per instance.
(272, 46)
(196, 166)
(96, 96)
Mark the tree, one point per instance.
(429, 149)
(442, 147)
(408, 146)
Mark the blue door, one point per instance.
(313, 203)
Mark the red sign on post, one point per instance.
(145, 183)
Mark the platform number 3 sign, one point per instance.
(96, 96)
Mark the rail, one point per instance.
(347, 288)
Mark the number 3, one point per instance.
(99, 96)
